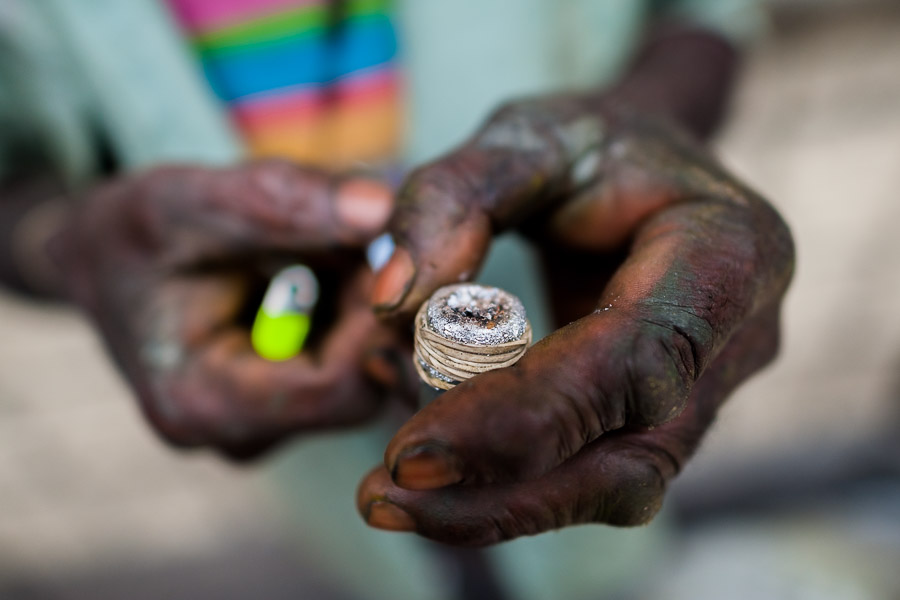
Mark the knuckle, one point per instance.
(640, 487)
(682, 352)
(512, 524)
(662, 369)
(467, 533)
(577, 422)
(483, 525)
(504, 525)
(434, 199)
(519, 125)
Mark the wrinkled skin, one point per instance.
(171, 265)
(666, 274)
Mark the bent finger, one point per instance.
(619, 479)
(522, 161)
(617, 484)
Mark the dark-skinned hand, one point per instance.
(670, 274)
(171, 265)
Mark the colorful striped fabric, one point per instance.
(314, 81)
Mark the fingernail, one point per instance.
(364, 204)
(385, 515)
(394, 280)
(425, 468)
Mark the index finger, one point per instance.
(526, 158)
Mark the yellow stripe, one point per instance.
(338, 138)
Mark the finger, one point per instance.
(589, 233)
(222, 393)
(523, 160)
(650, 165)
(589, 378)
(653, 165)
(204, 214)
(696, 273)
(615, 484)
(619, 479)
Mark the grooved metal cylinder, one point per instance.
(467, 329)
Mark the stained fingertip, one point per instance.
(425, 468)
(394, 281)
(382, 514)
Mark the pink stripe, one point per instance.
(363, 81)
(283, 106)
(371, 88)
(207, 15)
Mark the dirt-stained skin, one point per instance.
(168, 263)
(666, 274)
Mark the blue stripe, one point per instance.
(294, 61)
(364, 43)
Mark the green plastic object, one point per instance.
(284, 319)
(279, 337)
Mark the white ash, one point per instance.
(478, 315)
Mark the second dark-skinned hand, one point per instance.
(170, 264)
(670, 274)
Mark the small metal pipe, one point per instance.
(464, 330)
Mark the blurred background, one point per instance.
(796, 493)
